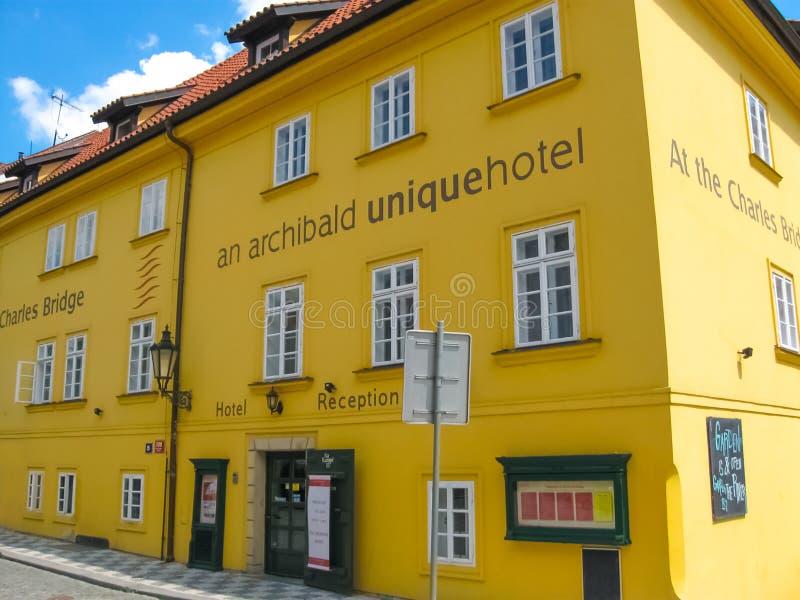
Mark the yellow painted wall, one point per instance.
(551, 404)
(714, 263)
(103, 292)
(672, 282)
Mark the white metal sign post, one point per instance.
(436, 381)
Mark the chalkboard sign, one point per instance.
(726, 463)
(601, 577)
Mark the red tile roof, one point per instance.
(203, 85)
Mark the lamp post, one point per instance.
(163, 356)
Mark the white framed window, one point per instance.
(35, 482)
(28, 182)
(65, 504)
(132, 497)
(531, 50)
(140, 378)
(759, 127)
(291, 150)
(43, 373)
(785, 311)
(153, 205)
(395, 300)
(54, 257)
(123, 128)
(283, 333)
(268, 47)
(76, 364)
(455, 534)
(393, 108)
(84, 235)
(545, 285)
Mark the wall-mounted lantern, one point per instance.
(274, 403)
(163, 357)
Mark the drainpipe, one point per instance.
(173, 426)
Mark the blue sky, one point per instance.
(94, 51)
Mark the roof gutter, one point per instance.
(779, 27)
(266, 70)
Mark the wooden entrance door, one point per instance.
(285, 518)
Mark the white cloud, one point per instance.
(221, 51)
(159, 71)
(250, 7)
(206, 31)
(151, 41)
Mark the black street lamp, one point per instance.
(163, 357)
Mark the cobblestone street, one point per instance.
(23, 582)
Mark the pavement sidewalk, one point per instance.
(145, 575)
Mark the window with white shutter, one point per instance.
(153, 205)
(84, 236)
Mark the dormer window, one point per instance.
(28, 182)
(123, 128)
(272, 29)
(268, 47)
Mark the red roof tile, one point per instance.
(202, 85)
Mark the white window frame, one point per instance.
(541, 263)
(280, 313)
(129, 122)
(65, 501)
(154, 200)
(758, 125)
(268, 44)
(785, 311)
(139, 356)
(393, 293)
(43, 373)
(35, 486)
(28, 182)
(54, 257)
(84, 235)
(449, 511)
(75, 367)
(532, 58)
(127, 497)
(292, 156)
(390, 84)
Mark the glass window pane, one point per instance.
(460, 547)
(557, 240)
(459, 498)
(383, 279)
(527, 247)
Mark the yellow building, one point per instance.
(611, 216)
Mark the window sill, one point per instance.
(149, 237)
(33, 516)
(380, 373)
(532, 95)
(65, 520)
(292, 184)
(788, 357)
(454, 571)
(290, 384)
(548, 352)
(132, 527)
(83, 261)
(51, 406)
(138, 397)
(411, 140)
(52, 272)
(763, 167)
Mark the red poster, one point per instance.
(584, 510)
(530, 506)
(566, 506)
(547, 506)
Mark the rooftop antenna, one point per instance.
(61, 103)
